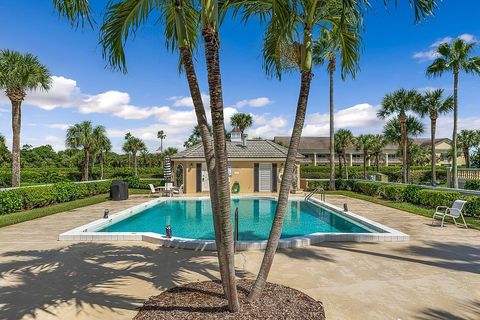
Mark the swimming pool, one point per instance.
(306, 223)
(193, 219)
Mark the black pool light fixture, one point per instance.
(168, 231)
(106, 212)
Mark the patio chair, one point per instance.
(168, 190)
(153, 189)
(177, 190)
(455, 212)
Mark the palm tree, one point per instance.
(4, 152)
(241, 121)
(393, 133)
(134, 145)
(365, 142)
(326, 49)
(161, 135)
(468, 139)
(181, 19)
(344, 140)
(83, 135)
(20, 73)
(434, 104)
(127, 148)
(76, 11)
(398, 104)
(455, 57)
(378, 143)
(102, 145)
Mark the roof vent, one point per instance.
(244, 139)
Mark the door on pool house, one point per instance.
(265, 177)
(205, 182)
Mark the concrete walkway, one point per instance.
(434, 276)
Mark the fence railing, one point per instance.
(463, 174)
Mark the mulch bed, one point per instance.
(204, 300)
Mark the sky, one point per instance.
(154, 96)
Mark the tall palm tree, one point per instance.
(20, 73)
(455, 57)
(161, 135)
(378, 144)
(126, 147)
(102, 145)
(326, 49)
(344, 140)
(434, 104)
(82, 135)
(398, 104)
(364, 142)
(134, 145)
(468, 139)
(181, 20)
(241, 121)
(393, 133)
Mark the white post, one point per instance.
(369, 163)
(315, 159)
(350, 160)
(386, 159)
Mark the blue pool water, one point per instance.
(193, 219)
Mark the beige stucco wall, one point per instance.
(242, 172)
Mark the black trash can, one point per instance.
(119, 190)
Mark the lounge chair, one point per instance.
(153, 189)
(454, 212)
(177, 190)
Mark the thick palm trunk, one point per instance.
(466, 155)
(86, 159)
(210, 36)
(285, 185)
(403, 133)
(332, 130)
(202, 122)
(16, 127)
(454, 135)
(433, 125)
(345, 164)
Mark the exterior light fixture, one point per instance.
(106, 212)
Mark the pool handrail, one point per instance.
(317, 188)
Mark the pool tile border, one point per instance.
(88, 232)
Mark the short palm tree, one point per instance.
(433, 104)
(393, 133)
(82, 136)
(241, 121)
(20, 73)
(468, 139)
(455, 57)
(397, 104)
(344, 140)
(364, 142)
(102, 145)
(378, 143)
(326, 49)
(161, 135)
(134, 145)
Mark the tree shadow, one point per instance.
(90, 274)
(452, 256)
(470, 310)
(306, 253)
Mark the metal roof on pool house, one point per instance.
(254, 149)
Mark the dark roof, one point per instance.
(314, 144)
(253, 149)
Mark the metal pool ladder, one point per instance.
(318, 188)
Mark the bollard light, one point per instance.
(168, 231)
(106, 212)
(345, 207)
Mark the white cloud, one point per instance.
(59, 126)
(254, 103)
(181, 101)
(63, 93)
(267, 127)
(432, 54)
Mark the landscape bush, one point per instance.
(35, 197)
(394, 192)
(472, 184)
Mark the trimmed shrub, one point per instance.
(472, 184)
(434, 198)
(10, 200)
(394, 192)
(313, 184)
(473, 205)
(374, 189)
(410, 194)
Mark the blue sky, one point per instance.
(154, 96)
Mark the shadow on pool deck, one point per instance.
(86, 273)
(472, 305)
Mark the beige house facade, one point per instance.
(254, 166)
(316, 150)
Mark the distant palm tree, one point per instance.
(468, 139)
(326, 49)
(134, 145)
(83, 135)
(364, 142)
(378, 143)
(161, 135)
(434, 104)
(102, 145)
(20, 73)
(455, 57)
(398, 104)
(241, 121)
(344, 140)
(393, 133)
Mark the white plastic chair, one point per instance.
(153, 190)
(168, 188)
(455, 212)
(177, 190)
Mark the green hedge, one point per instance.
(35, 197)
(410, 193)
(472, 184)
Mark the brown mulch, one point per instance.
(205, 300)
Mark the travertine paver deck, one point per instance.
(434, 276)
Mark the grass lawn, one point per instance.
(405, 206)
(21, 216)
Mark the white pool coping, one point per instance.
(88, 232)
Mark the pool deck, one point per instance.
(436, 275)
